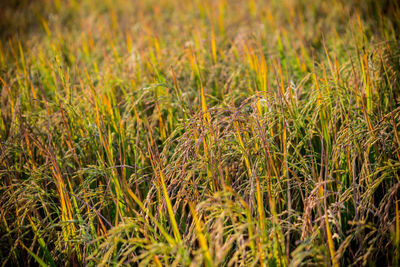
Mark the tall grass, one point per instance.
(191, 133)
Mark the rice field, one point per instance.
(199, 133)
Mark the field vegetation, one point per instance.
(200, 133)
